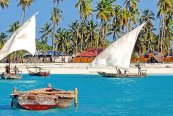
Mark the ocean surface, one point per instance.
(151, 96)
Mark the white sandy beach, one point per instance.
(82, 68)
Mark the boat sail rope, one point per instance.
(118, 54)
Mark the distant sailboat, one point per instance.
(38, 71)
(118, 54)
(22, 39)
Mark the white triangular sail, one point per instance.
(118, 53)
(22, 39)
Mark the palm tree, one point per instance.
(92, 35)
(24, 4)
(165, 8)
(105, 9)
(85, 8)
(42, 46)
(147, 36)
(4, 3)
(131, 4)
(74, 29)
(62, 40)
(55, 18)
(11, 30)
(13, 27)
(45, 31)
(133, 12)
(82, 31)
(169, 32)
(85, 11)
(148, 15)
(57, 1)
(125, 17)
(3, 37)
(115, 27)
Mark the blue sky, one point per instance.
(44, 7)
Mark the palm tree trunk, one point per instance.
(128, 26)
(161, 42)
(164, 44)
(159, 38)
(97, 42)
(105, 32)
(168, 47)
(81, 45)
(53, 40)
(98, 37)
(114, 35)
(76, 46)
(164, 50)
(163, 34)
(103, 37)
(22, 17)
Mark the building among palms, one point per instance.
(87, 56)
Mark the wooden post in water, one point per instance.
(76, 97)
(14, 90)
(49, 86)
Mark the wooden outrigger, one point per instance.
(44, 98)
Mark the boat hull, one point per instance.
(36, 107)
(41, 106)
(10, 76)
(44, 74)
(114, 75)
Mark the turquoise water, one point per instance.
(152, 96)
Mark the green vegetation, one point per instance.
(112, 21)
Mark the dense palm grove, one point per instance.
(112, 21)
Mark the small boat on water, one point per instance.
(118, 55)
(11, 76)
(44, 98)
(8, 74)
(38, 71)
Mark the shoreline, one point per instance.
(82, 68)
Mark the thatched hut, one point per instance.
(150, 57)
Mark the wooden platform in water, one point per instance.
(43, 98)
(129, 75)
